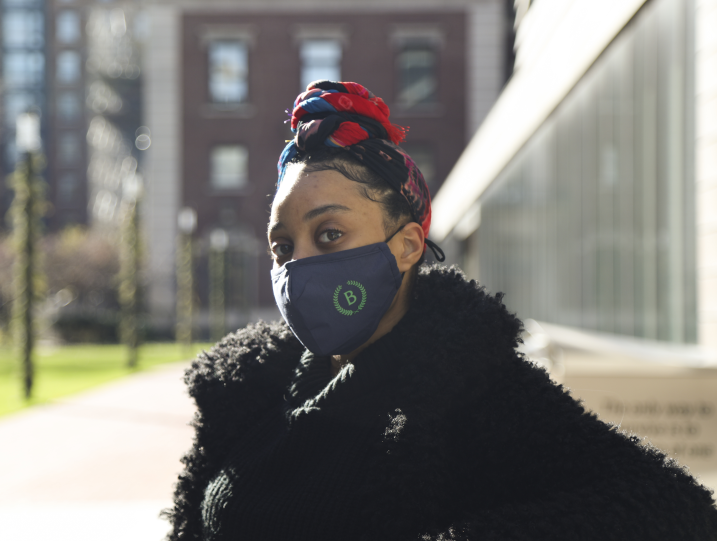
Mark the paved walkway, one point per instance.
(98, 465)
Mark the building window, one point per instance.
(228, 167)
(68, 66)
(68, 148)
(320, 59)
(69, 106)
(22, 69)
(67, 189)
(16, 103)
(23, 29)
(67, 26)
(417, 74)
(228, 71)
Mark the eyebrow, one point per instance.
(318, 211)
(276, 226)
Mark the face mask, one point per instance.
(333, 303)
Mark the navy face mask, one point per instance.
(333, 303)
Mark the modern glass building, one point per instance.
(589, 197)
(592, 212)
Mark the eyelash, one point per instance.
(271, 253)
(332, 230)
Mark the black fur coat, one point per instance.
(482, 445)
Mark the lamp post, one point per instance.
(218, 242)
(26, 211)
(130, 259)
(186, 223)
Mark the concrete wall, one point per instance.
(162, 100)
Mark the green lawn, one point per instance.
(63, 370)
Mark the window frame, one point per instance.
(403, 37)
(67, 53)
(417, 46)
(304, 81)
(62, 16)
(211, 98)
(214, 188)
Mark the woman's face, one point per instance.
(320, 213)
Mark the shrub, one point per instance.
(80, 266)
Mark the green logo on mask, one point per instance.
(349, 298)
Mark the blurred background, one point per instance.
(570, 147)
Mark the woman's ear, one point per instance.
(408, 247)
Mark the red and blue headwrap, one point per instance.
(348, 116)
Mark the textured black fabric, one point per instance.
(470, 441)
(306, 461)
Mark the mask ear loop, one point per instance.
(395, 233)
(437, 252)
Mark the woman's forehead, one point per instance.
(303, 197)
(299, 190)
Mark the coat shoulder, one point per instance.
(233, 383)
(451, 301)
(244, 366)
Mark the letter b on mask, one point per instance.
(350, 297)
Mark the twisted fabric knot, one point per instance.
(347, 115)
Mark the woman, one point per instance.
(391, 403)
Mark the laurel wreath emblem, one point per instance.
(344, 311)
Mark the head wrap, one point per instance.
(349, 116)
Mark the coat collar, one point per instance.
(453, 332)
(424, 354)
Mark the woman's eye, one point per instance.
(281, 250)
(330, 235)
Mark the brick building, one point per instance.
(218, 76)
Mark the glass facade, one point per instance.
(69, 66)
(69, 107)
(67, 26)
(23, 28)
(591, 224)
(23, 69)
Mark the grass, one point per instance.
(64, 370)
